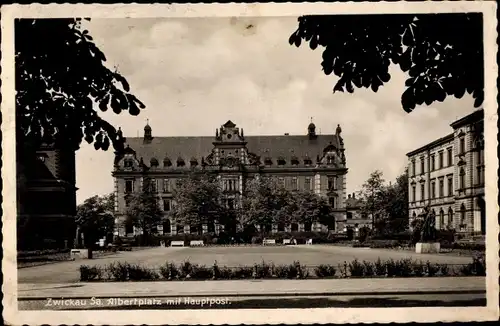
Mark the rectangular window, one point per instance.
(450, 186)
(422, 191)
(178, 183)
(127, 201)
(332, 183)
(154, 185)
(281, 182)
(294, 183)
(433, 189)
(479, 174)
(462, 145)
(450, 156)
(441, 164)
(422, 165)
(129, 186)
(307, 184)
(167, 205)
(433, 163)
(413, 167)
(332, 201)
(413, 193)
(166, 185)
(441, 188)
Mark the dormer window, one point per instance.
(167, 162)
(128, 163)
(307, 161)
(193, 162)
(295, 160)
(281, 161)
(330, 159)
(268, 161)
(154, 162)
(180, 162)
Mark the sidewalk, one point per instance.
(255, 288)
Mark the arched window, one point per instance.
(294, 160)
(193, 162)
(294, 227)
(441, 219)
(281, 161)
(450, 217)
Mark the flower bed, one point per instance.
(120, 272)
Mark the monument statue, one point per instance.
(428, 233)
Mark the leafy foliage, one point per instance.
(440, 62)
(61, 79)
(198, 200)
(387, 203)
(143, 210)
(309, 207)
(95, 217)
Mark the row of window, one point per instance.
(432, 163)
(232, 184)
(449, 221)
(433, 189)
(128, 163)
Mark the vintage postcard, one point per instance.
(249, 163)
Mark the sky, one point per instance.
(194, 74)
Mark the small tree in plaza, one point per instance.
(144, 211)
(198, 200)
(95, 219)
(311, 208)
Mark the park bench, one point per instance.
(177, 244)
(196, 243)
(287, 241)
(309, 242)
(268, 242)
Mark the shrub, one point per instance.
(404, 267)
(431, 269)
(384, 244)
(363, 233)
(356, 269)
(118, 271)
(169, 271)
(88, 273)
(243, 272)
(282, 271)
(200, 272)
(140, 273)
(476, 268)
(392, 268)
(256, 240)
(444, 270)
(186, 269)
(324, 270)
(379, 268)
(418, 269)
(263, 270)
(368, 269)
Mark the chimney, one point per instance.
(287, 134)
(349, 196)
(354, 195)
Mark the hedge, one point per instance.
(121, 272)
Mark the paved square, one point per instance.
(228, 256)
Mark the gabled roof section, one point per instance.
(229, 124)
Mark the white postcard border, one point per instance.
(245, 316)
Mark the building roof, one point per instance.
(198, 147)
(470, 118)
(432, 144)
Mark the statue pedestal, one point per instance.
(80, 254)
(427, 247)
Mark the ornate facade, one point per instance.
(448, 175)
(310, 162)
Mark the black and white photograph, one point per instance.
(249, 163)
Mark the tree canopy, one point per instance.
(143, 209)
(62, 83)
(95, 217)
(442, 54)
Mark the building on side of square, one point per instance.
(46, 196)
(310, 162)
(448, 175)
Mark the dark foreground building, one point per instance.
(310, 162)
(46, 197)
